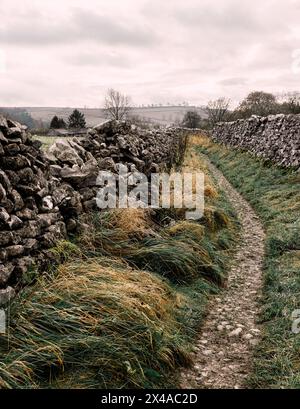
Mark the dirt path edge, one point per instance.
(223, 351)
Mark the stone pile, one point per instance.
(29, 214)
(276, 137)
(42, 195)
(77, 162)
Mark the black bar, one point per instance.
(90, 399)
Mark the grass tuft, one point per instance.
(98, 324)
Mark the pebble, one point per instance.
(225, 323)
(236, 332)
(248, 336)
(255, 330)
(235, 310)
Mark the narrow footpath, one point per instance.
(223, 352)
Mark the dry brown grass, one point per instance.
(198, 139)
(99, 324)
(134, 222)
(193, 163)
(215, 218)
(185, 226)
(132, 289)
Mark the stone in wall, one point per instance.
(29, 220)
(276, 137)
(77, 162)
(42, 196)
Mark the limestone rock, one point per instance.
(43, 195)
(5, 273)
(6, 295)
(276, 137)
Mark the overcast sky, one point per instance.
(68, 52)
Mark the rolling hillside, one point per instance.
(164, 115)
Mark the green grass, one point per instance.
(47, 141)
(98, 324)
(181, 257)
(274, 193)
(124, 306)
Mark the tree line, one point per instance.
(22, 116)
(256, 103)
(75, 121)
(116, 106)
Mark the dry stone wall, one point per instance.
(42, 195)
(276, 137)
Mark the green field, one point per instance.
(47, 141)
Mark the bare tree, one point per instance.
(291, 103)
(117, 105)
(217, 110)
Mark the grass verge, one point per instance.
(274, 193)
(124, 305)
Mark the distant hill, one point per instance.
(164, 115)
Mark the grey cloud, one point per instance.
(153, 50)
(233, 20)
(233, 81)
(110, 30)
(98, 59)
(276, 55)
(83, 26)
(26, 34)
(232, 16)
